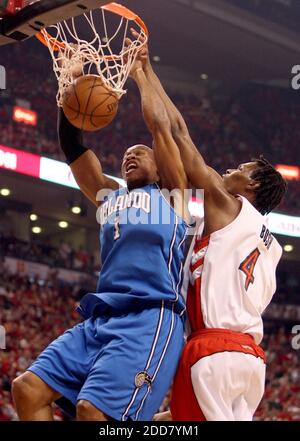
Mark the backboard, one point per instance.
(18, 24)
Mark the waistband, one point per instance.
(213, 340)
(239, 337)
(92, 305)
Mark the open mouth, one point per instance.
(130, 167)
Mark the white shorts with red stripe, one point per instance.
(229, 385)
(221, 377)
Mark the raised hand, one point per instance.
(71, 60)
(143, 54)
(142, 60)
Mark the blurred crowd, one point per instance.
(227, 130)
(35, 312)
(63, 256)
(281, 311)
(281, 401)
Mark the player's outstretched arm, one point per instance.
(219, 203)
(84, 164)
(167, 155)
(198, 172)
(220, 206)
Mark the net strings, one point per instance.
(78, 56)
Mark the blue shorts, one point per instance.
(122, 364)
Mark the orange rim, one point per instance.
(115, 8)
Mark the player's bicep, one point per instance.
(172, 173)
(88, 174)
(202, 176)
(168, 161)
(199, 174)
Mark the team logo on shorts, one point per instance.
(141, 378)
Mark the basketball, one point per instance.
(88, 104)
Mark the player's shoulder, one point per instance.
(249, 210)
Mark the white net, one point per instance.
(95, 43)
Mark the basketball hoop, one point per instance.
(95, 43)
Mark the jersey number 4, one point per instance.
(248, 265)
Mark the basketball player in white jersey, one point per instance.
(230, 280)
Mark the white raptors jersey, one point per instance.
(230, 275)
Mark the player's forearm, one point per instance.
(154, 111)
(166, 152)
(192, 159)
(175, 117)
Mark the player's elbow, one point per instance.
(199, 176)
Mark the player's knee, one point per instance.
(87, 412)
(22, 390)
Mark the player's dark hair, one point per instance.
(272, 186)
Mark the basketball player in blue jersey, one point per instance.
(120, 361)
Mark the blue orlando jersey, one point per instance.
(142, 242)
